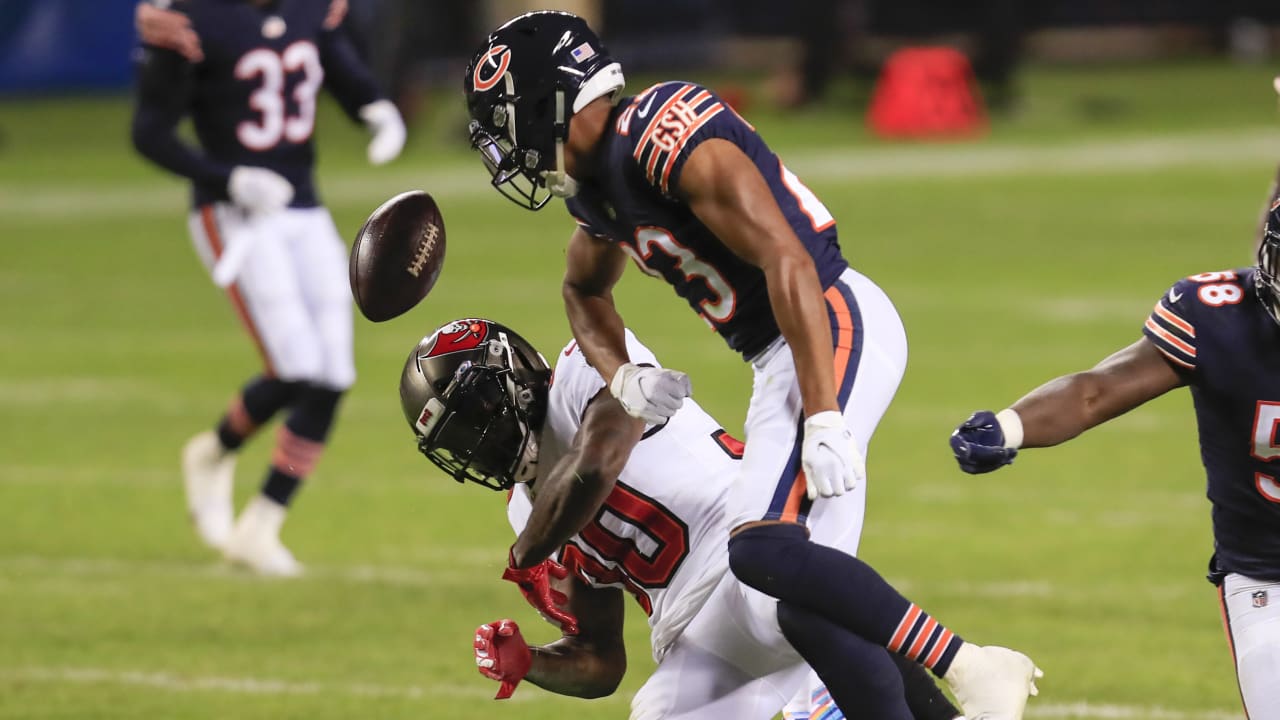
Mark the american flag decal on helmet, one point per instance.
(582, 53)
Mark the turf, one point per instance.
(116, 348)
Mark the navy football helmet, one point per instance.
(522, 88)
(475, 394)
(1267, 282)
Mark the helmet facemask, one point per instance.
(1267, 283)
(523, 87)
(518, 171)
(486, 429)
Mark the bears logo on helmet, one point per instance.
(523, 86)
(498, 56)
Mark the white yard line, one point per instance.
(462, 566)
(849, 164)
(175, 682)
(1123, 712)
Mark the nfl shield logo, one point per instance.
(1260, 599)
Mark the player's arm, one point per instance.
(1064, 407)
(729, 195)
(167, 29)
(568, 497)
(356, 90)
(165, 82)
(589, 664)
(593, 266)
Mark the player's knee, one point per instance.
(314, 409)
(768, 557)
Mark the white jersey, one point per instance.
(661, 534)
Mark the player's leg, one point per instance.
(862, 670)
(780, 560)
(731, 661)
(268, 295)
(321, 355)
(924, 698)
(208, 458)
(317, 258)
(1251, 615)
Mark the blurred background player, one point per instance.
(481, 404)
(249, 80)
(1217, 333)
(682, 185)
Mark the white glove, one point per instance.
(384, 121)
(259, 190)
(649, 393)
(832, 464)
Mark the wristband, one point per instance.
(1011, 425)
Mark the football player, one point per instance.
(1216, 333)
(484, 409)
(675, 180)
(258, 226)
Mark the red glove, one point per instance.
(535, 585)
(502, 655)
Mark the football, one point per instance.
(397, 256)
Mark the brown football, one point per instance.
(397, 256)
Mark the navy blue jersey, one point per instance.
(634, 202)
(1214, 331)
(252, 99)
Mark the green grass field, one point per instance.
(1032, 253)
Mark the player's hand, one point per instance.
(502, 655)
(167, 29)
(979, 444)
(337, 13)
(832, 464)
(384, 121)
(649, 393)
(535, 585)
(259, 190)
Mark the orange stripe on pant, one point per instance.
(1231, 642)
(843, 342)
(210, 223)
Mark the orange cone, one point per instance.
(927, 92)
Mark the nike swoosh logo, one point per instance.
(1174, 296)
(644, 112)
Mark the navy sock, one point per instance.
(924, 697)
(780, 561)
(258, 400)
(280, 486)
(300, 441)
(861, 677)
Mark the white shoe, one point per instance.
(992, 683)
(255, 541)
(208, 472)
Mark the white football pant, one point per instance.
(1251, 613)
(292, 293)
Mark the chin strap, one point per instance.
(558, 181)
